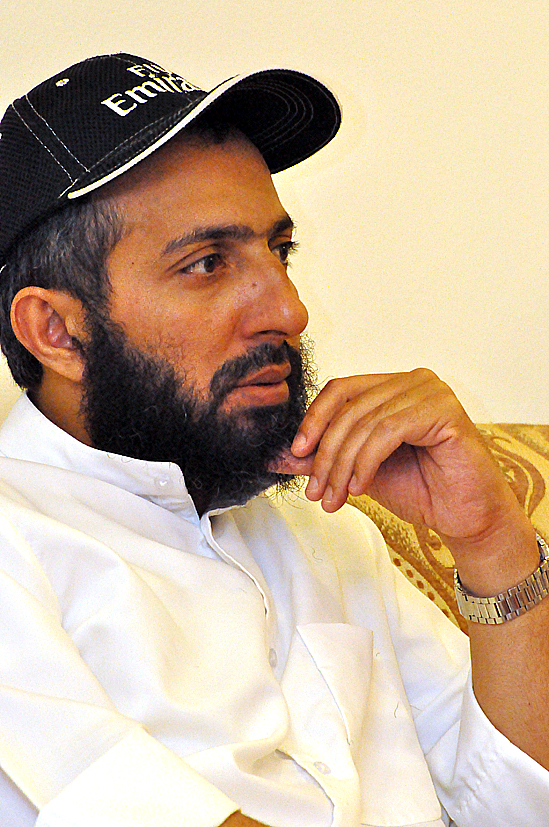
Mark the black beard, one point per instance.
(136, 405)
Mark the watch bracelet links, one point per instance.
(511, 603)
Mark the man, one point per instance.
(178, 648)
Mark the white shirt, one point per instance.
(158, 669)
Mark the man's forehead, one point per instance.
(194, 191)
(176, 152)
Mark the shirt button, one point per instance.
(273, 659)
(321, 767)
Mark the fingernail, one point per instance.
(299, 443)
(328, 494)
(353, 486)
(312, 486)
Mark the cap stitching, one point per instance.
(63, 144)
(302, 156)
(275, 134)
(286, 128)
(69, 176)
(136, 135)
(67, 188)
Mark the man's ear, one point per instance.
(46, 322)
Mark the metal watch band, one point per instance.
(511, 603)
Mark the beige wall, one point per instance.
(424, 226)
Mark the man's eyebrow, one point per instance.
(220, 232)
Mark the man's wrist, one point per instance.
(498, 559)
(512, 602)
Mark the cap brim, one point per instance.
(288, 115)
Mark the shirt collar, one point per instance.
(28, 435)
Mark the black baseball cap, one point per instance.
(93, 121)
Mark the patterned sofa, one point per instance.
(522, 452)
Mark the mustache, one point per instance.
(227, 377)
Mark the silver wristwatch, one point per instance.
(511, 603)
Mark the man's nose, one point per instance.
(274, 306)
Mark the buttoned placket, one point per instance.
(248, 567)
(170, 492)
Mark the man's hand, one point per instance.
(406, 441)
(402, 437)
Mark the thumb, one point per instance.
(286, 463)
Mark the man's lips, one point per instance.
(270, 375)
(267, 386)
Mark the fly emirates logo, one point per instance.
(154, 81)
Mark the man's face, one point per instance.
(196, 362)
(200, 276)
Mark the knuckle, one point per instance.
(424, 374)
(387, 426)
(322, 461)
(334, 384)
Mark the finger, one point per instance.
(374, 389)
(357, 456)
(333, 488)
(294, 466)
(334, 395)
(425, 417)
(427, 425)
(345, 436)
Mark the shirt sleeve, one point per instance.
(481, 778)
(491, 782)
(63, 743)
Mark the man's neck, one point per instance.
(60, 401)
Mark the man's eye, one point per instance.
(203, 266)
(284, 250)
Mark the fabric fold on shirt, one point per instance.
(138, 783)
